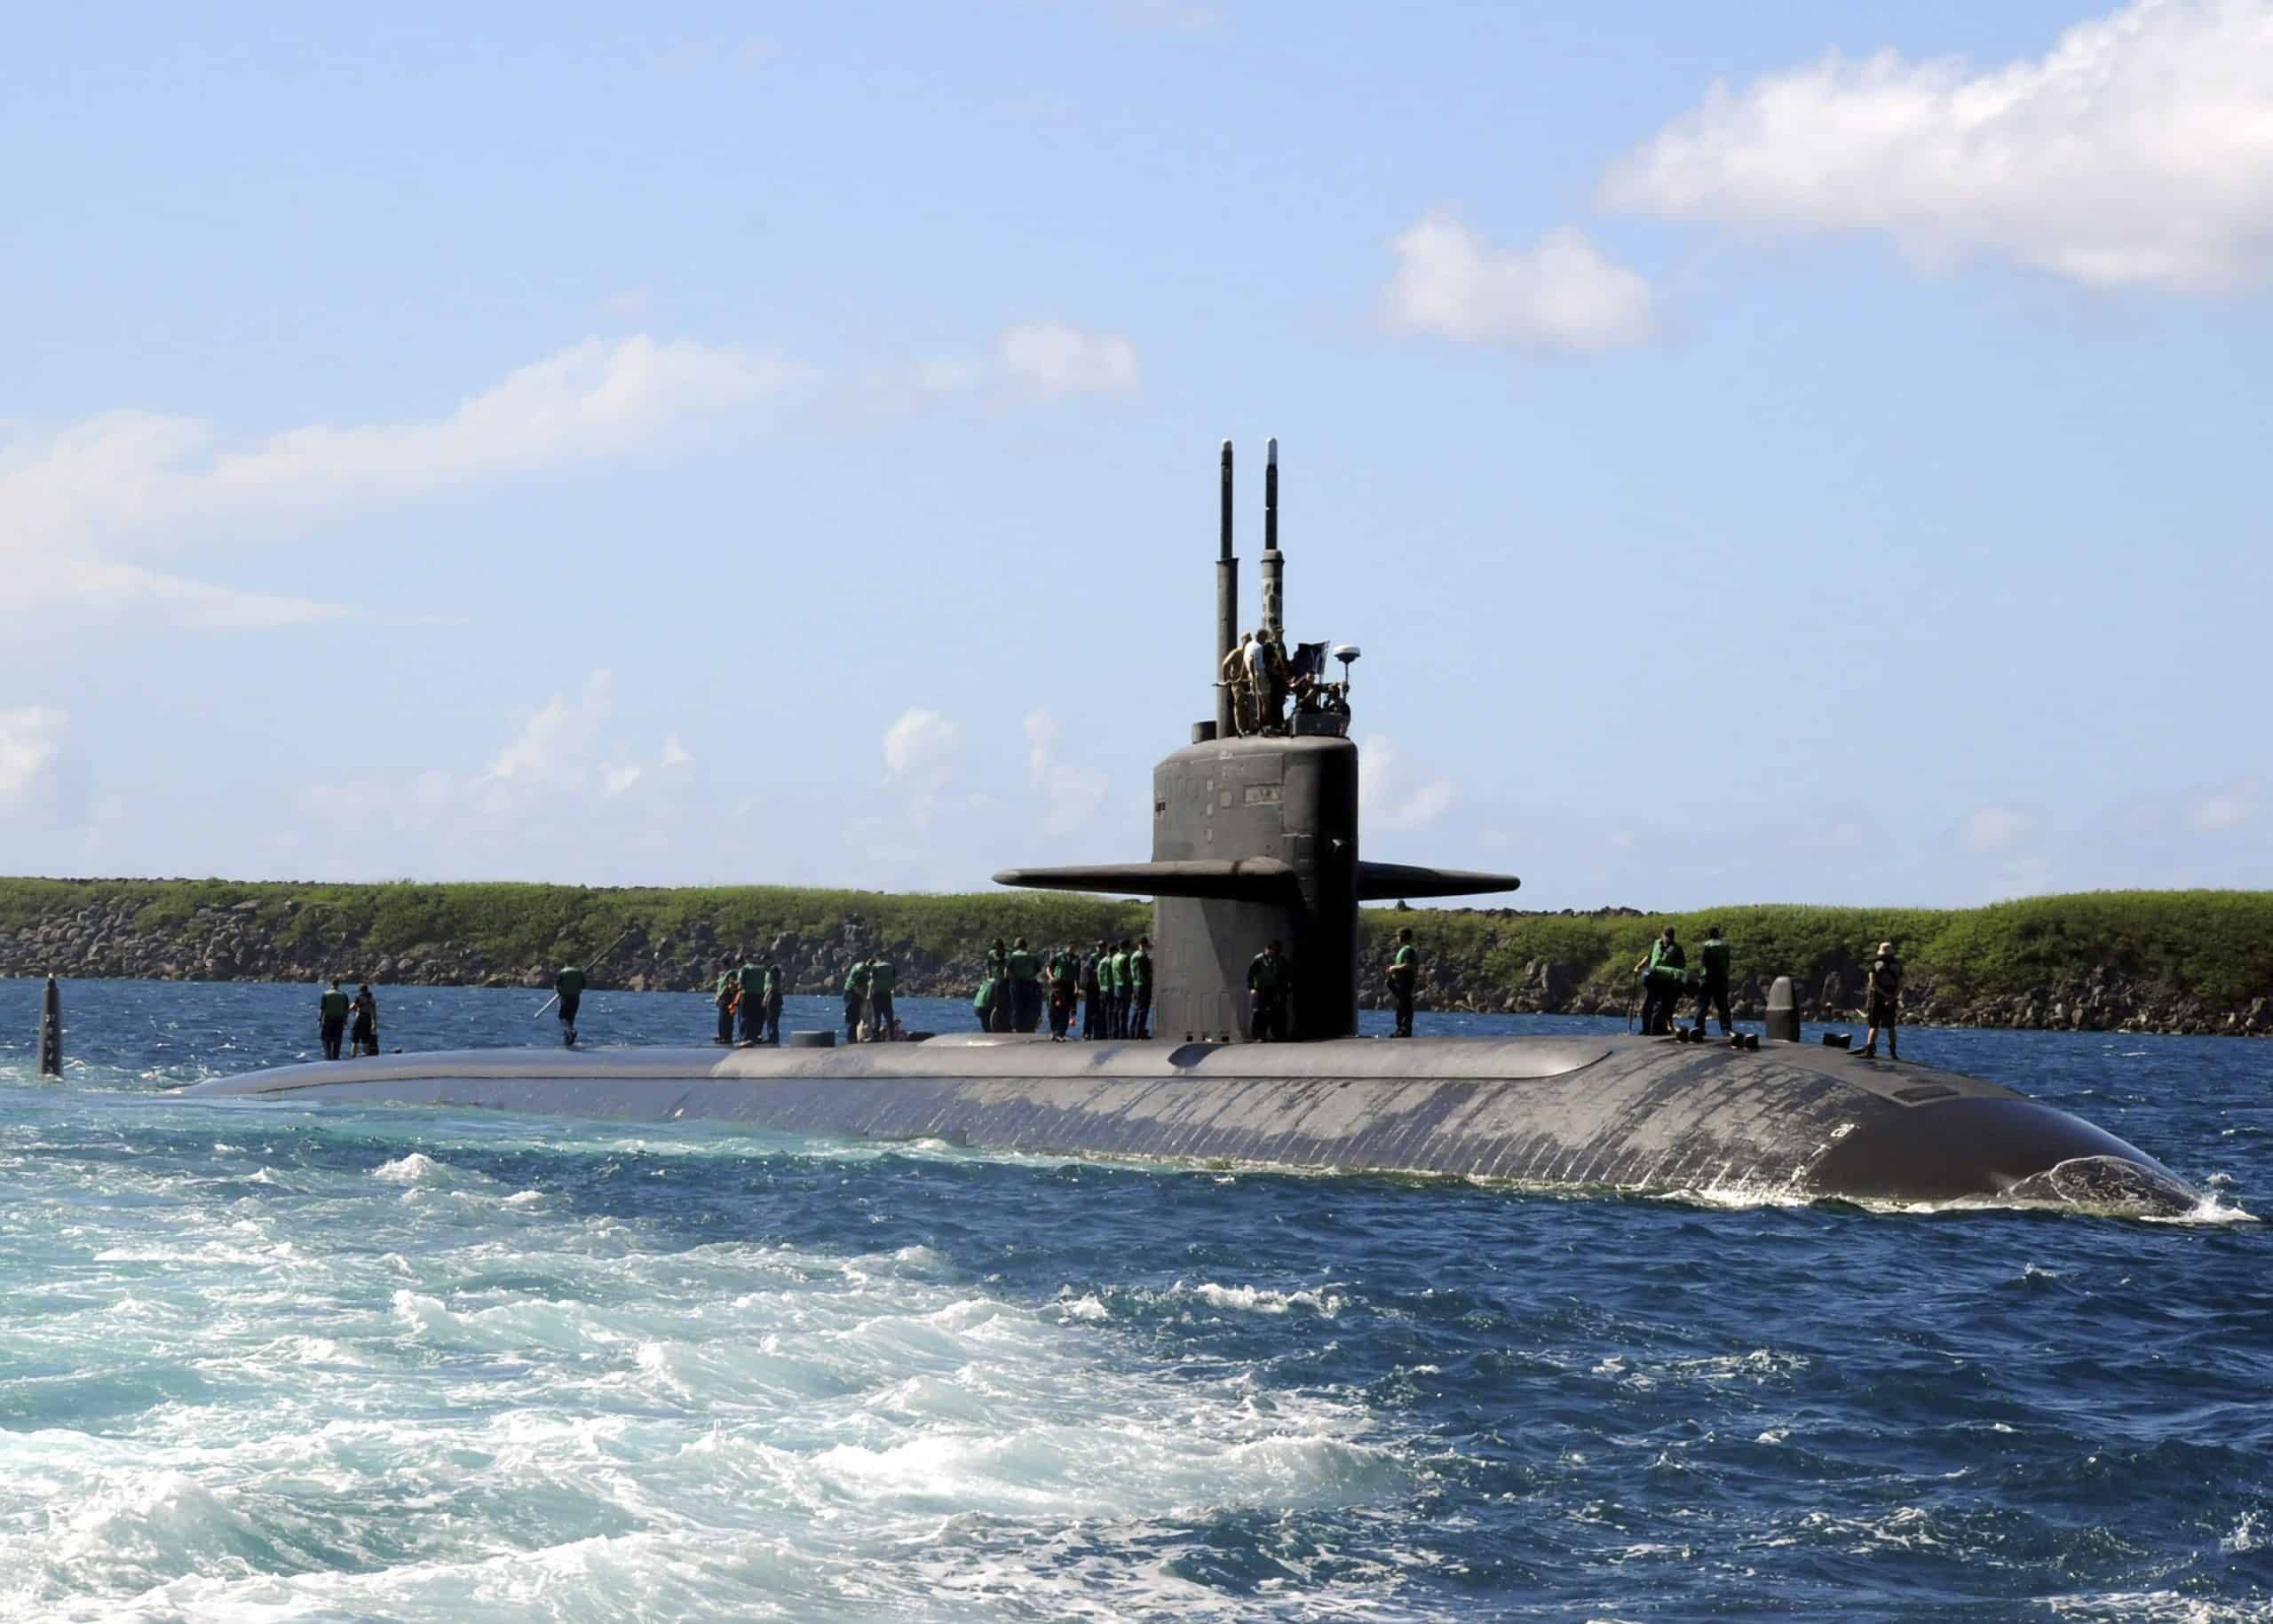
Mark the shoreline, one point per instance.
(2184, 963)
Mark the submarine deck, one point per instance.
(1616, 1111)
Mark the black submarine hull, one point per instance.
(1787, 1122)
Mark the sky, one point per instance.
(1766, 451)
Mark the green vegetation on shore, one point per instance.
(536, 925)
(2214, 945)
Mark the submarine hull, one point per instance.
(1786, 1122)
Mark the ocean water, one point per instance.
(264, 1362)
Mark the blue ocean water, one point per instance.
(279, 1362)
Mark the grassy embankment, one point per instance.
(2215, 945)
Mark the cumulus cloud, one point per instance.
(2136, 152)
(1069, 791)
(1990, 829)
(1051, 359)
(1391, 795)
(31, 743)
(1559, 293)
(547, 749)
(78, 505)
(920, 745)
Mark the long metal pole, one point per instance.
(1227, 608)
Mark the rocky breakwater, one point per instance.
(286, 941)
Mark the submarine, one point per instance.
(1255, 840)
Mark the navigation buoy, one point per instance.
(50, 1030)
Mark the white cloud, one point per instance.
(125, 482)
(561, 787)
(1070, 792)
(1386, 797)
(550, 749)
(919, 745)
(2224, 809)
(85, 509)
(675, 752)
(595, 398)
(1047, 358)
(2137, 151)
(31, 743)
(1993, 828)
(1560, 293)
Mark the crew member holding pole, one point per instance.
(568, 987)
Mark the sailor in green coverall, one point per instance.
(332, 1019)
(1404, 971)
(881, 978)
(1064, 972)
(729, 993)
(568, 987)
(1094, 970)
(1140, 989)
(772, 982)
(1026, 987)
(1120, 990)
(1713, 988)
(998, 972)
(749, 996)
(1661, 983)
(856, 999)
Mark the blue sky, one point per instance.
(1765, 452)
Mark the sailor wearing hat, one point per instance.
(1885, 996)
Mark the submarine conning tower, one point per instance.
(1254, 838)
